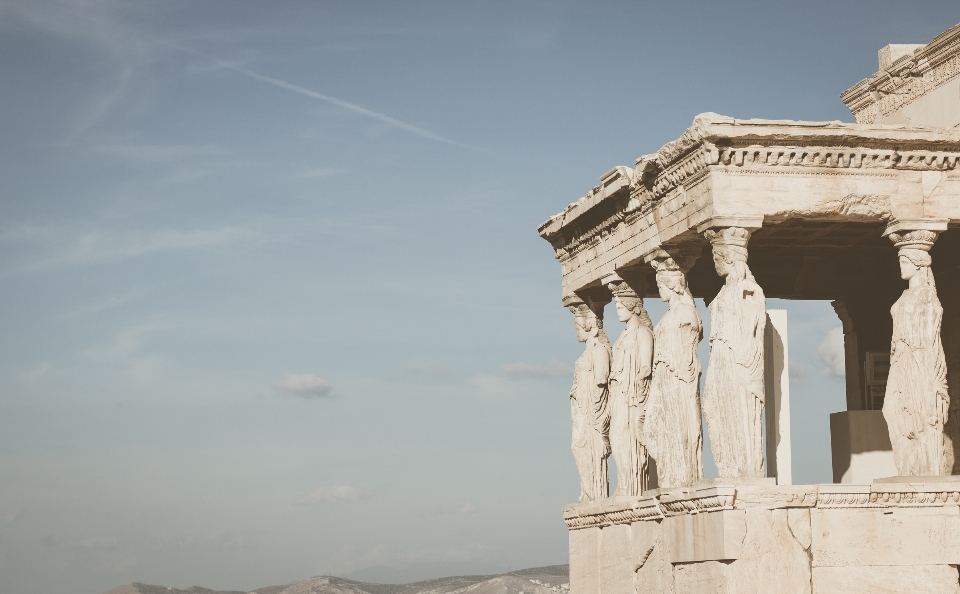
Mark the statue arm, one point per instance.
(644, 352)
(601, 366)
(688, 337)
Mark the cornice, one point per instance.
(910, 77)
(678, 502)
(720, 143)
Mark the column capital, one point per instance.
(902, 226)
(583, 305)
(750, 223)
(673, 257)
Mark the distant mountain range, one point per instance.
(539, 580)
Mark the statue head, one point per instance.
(586, 321)
(729, 250)
(670, 283)
(628, 303)
(671, 275)
(914, 255)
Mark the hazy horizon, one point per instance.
(274, 300)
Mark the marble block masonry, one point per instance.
(864, 215)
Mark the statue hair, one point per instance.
(922, 260)
(635, 305)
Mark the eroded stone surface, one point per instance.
(900, 536)
(771, 559)
(712, 536)
(617, 559)
(916, 579)
(589, 402)
(733, 394)
(773, 497)
(584, 560)
(709, 577)
(799, 522)
(654, 574)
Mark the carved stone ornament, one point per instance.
(916, 402)
(629, 388)
(589, 403)
(733, 396)
(672, 430)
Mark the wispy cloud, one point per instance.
(76, 246)
(306, 385)
(339, 103)
(334, 494)
(347, 105)
(831, 352)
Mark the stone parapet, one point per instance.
(802, 539)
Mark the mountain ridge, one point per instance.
(549, 579)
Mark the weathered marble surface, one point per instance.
(919, 579)
(629, 389)
(917, 402)
(774, 170)
(673, 431)
(589, 403)
(733, 394)
(916, 84)
(766, 538)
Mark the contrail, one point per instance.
(327, 98)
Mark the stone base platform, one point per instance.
(755, 539)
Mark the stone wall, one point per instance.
(804, 539)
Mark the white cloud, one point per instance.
(11, 515)
(334, 494)
(554, 369)
(831, 352)
(306, 385)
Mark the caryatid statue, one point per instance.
(733, 394)
(916, 402)
(629, 387)
(672, 431)
(589, 406)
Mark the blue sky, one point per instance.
(273, 301)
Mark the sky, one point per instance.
(272, 299)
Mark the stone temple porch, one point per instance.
(820, 202)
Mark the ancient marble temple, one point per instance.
(865, 215)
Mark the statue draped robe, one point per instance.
(591, 420)
(672, 430)
(733, 394)
(916, 401)
(628, 400)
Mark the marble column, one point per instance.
(630, 386)
(673, 430)
(733, 397)
(589, 400)
(916, 403)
